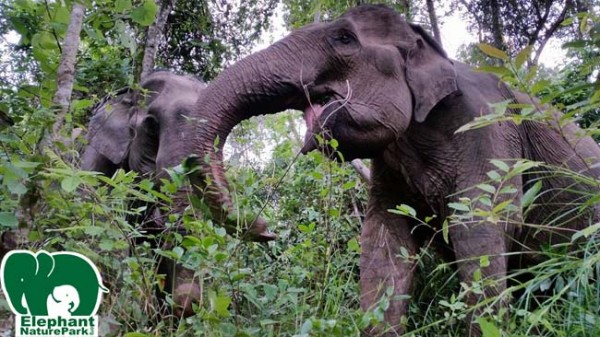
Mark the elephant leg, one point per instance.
(381, 267)
(480, 250)
(183, 286)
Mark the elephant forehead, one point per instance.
(379, 23)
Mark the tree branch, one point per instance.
(66, 72)
(153, 35)
(551, 31)
(362, 169)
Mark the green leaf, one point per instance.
(459, 206)
(220, 304)
(145, 14)
(530, 195)
(70, 184)
(500, 71)
(8, 220)
(353, 245)
(508, 190)
(122, 5)
(484, 261)
(349, 185)
(522, 56)
(586, 232)
(492, 51)
(501, 206)
(406, 210)
(445, 231)
(487, 188)
(488, 329)
(495, 176)
(500, 164)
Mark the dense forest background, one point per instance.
(59, 58)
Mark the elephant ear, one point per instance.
(430, 74)
(108, 132)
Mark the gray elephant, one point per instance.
(385, 90)
(147, 131)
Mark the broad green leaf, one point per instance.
(495, 176)
(406, 210)
(8, 220)
(487, 188)
(70, 184)
(353, 245)
(492, 51)
(500, 71)
(145, 14)
(522, 56)
(349, 185)
(220, 304)
(508, 190)
(44, 40)
(501, 206)
(500, 164)
(488, 329)
(459, 206)
(530, 195)
(122, 5)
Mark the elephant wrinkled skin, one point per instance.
(385, 90)
(147, 131)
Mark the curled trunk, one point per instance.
(249, 88)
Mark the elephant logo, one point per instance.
(52, 294)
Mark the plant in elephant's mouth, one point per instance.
(325, 102)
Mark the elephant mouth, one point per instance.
(315, 124)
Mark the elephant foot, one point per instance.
(186, 292)
(258, 232)
(184, 296)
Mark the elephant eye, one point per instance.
(345, 37)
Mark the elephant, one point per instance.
(386, 91)
(147, 131)
(35, 283)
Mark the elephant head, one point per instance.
(143, 130)
(151, 129)
(361, 79)
(62, 301)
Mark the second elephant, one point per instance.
(147, 131)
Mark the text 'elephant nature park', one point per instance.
(45, 297)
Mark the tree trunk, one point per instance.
(497, 36)
(66, 70)
(153, 36)
(434, 22)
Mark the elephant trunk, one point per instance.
(263, 83)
